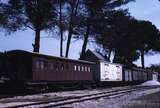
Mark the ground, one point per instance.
(137, 99)
(144, 99)
(147, 101)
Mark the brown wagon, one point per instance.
(38, 68)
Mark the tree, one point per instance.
(97, 11)
(87, 11)
(61, 30)
(37, 15)
(147, 35)
(73, 8)
(61, 22)
(128, 37)
(115, 36)
(155, 67)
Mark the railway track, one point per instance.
(70, 100)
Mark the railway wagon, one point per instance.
(37, 68)
(1, 67)
(110, 71)
(1, 62)
(137, 74)
(104, 70)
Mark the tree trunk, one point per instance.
(61, 31)
(36, 45)
(73, 13)
(142, 58)
(86, 36)
(69, 41)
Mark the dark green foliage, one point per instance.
(41, 13)
(127, 37)
(155, 67)
(147, 37)
(11, 16)
(84, 14)
(114, 30)
(36, 14)
(94, 20)
(114, 36)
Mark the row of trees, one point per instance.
(73, 16)
(102, 20)
(129, 38)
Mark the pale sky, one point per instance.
(141, 9)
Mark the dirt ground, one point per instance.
(146, 101)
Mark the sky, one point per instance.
(141, 9)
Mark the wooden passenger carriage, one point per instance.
(34, 67)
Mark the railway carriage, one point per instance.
(39, 68)
(1, 61)
(1, 66)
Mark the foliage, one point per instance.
(113, 29)
(127, 37)
(95, 14)
(155, 67)
(37, 15)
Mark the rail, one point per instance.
(70, 100)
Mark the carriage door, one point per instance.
(155, 76)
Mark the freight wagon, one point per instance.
(104, 70)
(137, 74)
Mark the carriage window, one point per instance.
(89, 70)
(41, 64)
(45, 65)
(82, 68)
(50, 65)
(75, 67)
(67, 67)
(62, 66)
(86, 68)
(79, 68)
(56, 66)
(37, 64)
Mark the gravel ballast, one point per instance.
(126, 101)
